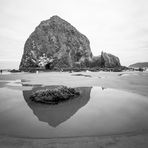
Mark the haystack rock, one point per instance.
(55, 43)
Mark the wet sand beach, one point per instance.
(132, 85)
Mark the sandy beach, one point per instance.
(135, 82)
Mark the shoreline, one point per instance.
(128, 133)
(126, 81)
(131, 140)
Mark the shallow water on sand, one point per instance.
(98, 111)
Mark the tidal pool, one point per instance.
(97, 111)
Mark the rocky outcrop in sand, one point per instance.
(61, 112)
(54, 96)
(55, 43)
(109, 60)
(106, 60)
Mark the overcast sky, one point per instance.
(119, 27)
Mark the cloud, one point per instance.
(116, 26)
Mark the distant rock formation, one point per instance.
(109, 60)
(139, 65)
(55, 43)
(106, 60)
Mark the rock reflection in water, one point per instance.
(95, 112)
(56, 114)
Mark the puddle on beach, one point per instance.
(84, 75)
(88, 76)
(98, 111)
(18, 84)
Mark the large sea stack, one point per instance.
(55, 43)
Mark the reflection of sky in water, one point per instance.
(97, 112)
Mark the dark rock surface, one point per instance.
(54, 96)
(55, 43)
(55, 115)
(109, 60)
(105, 60)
